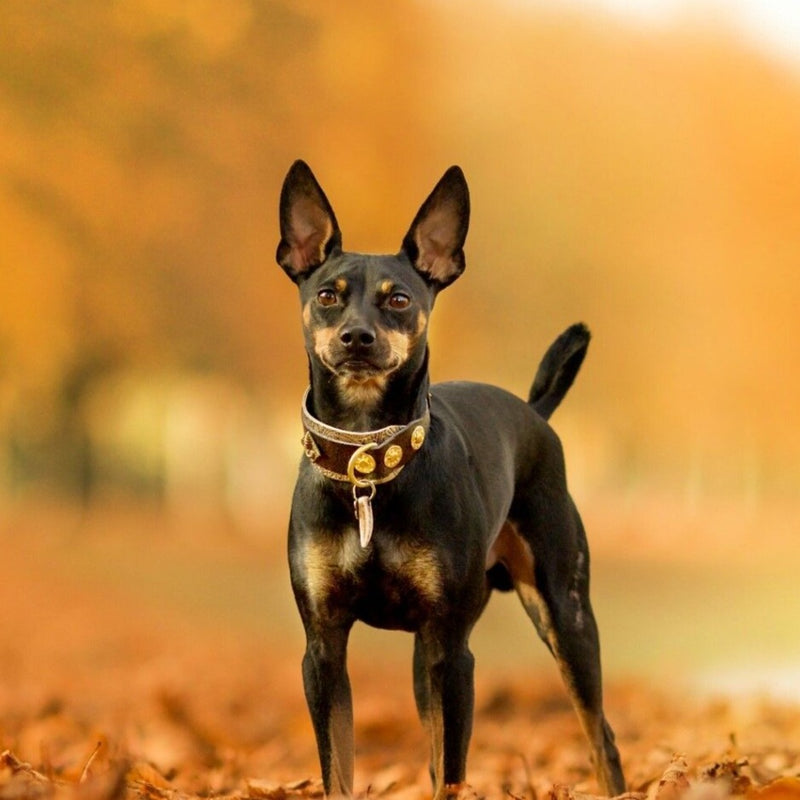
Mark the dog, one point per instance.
(413, 502)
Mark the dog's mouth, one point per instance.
(362, 363)
(361, 367)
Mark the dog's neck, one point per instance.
(396, 399)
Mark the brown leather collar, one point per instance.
(361, 458)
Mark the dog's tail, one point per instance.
(558, 369)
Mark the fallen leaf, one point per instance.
(265, 790)
(779, 789)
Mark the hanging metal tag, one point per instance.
(365, 520)
(362, 462)
(362, 506)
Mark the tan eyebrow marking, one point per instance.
(386, 286)
(340, 284)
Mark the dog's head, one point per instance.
(365, 317)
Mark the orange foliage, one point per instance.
(645, 181)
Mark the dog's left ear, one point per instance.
(435, 241)
(309, 231)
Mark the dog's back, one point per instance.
(501, 438)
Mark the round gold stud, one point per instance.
(417, 437)
(393, 456)
(364, 463)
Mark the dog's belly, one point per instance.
(390, 584)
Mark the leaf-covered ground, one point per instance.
(113, 690)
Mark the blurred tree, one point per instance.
(647, 182)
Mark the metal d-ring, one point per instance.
(365, 485)
(362, 462)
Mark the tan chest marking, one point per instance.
(418, 565)
(328, 560)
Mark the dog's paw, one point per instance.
(458, 791)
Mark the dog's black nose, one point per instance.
(357, 337)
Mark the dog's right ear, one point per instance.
(309, 231)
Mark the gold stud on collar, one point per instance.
(417, 437)
(364, 463)
(393, 456)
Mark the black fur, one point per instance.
(558, 369)
(482, 505)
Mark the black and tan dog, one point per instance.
(415, 501)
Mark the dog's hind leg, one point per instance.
(571, 635)
(327, 689)
(555, 593)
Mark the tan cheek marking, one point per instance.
(307, 315)
(323, 339)
(400, 344)
(422, 323)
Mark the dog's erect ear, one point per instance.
(309, 231)
(435, 241)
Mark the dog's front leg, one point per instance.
(330, 703)
(444, 689)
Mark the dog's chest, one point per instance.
(389, 583)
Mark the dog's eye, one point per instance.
(398, 301)
(326, 297)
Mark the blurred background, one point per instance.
(635, 169)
